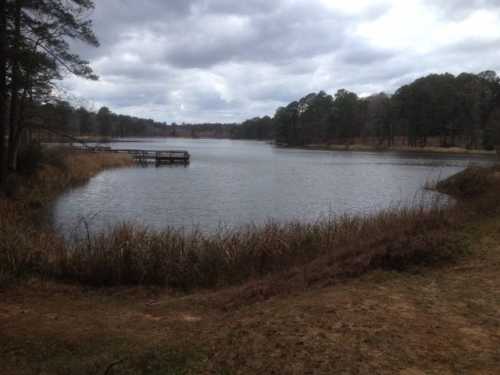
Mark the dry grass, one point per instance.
(26, 248)
(293, 255)
(64, 168)
(330, 249)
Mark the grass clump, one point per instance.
(130, 255)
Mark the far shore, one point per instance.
(425, 150)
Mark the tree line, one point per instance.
(461, 110)
(65, 118)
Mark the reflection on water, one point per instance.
(236, 182)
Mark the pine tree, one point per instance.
(37, 34)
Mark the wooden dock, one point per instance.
(157, 157)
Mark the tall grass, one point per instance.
(25, 247)
(346, 246)
(63, 168)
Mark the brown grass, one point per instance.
(64, 168)
(329, 249)
(26, 247)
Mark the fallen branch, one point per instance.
(110, 367)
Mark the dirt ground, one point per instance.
(443, 320)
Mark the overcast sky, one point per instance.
(229, 60)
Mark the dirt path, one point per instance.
(436, 321)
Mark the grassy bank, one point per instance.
(48, 172)
(25, 248)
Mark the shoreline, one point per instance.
(403, 150)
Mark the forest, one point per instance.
(440, 109)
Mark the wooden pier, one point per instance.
(157, 157)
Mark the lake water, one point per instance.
(232, 183)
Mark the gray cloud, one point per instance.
(462, 8)
(226, 60)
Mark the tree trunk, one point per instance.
(3, 86)
(14, 99)
(20, 130)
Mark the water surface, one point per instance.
(231, 183)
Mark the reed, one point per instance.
(330, 249)
(26, 246)
(63, 168)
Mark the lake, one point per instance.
(231, 183)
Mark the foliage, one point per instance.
(459, 110)
(258, 128)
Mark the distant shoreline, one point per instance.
(409, 150)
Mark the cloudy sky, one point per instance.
(228, 60)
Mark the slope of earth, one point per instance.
(441, 320)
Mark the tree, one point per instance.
(258, 128)
(315, 113)
(286, 124)
(37, 35)
(104, 122)
(378, 118)
(345, 120)
(3, 85)
(84, 121)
